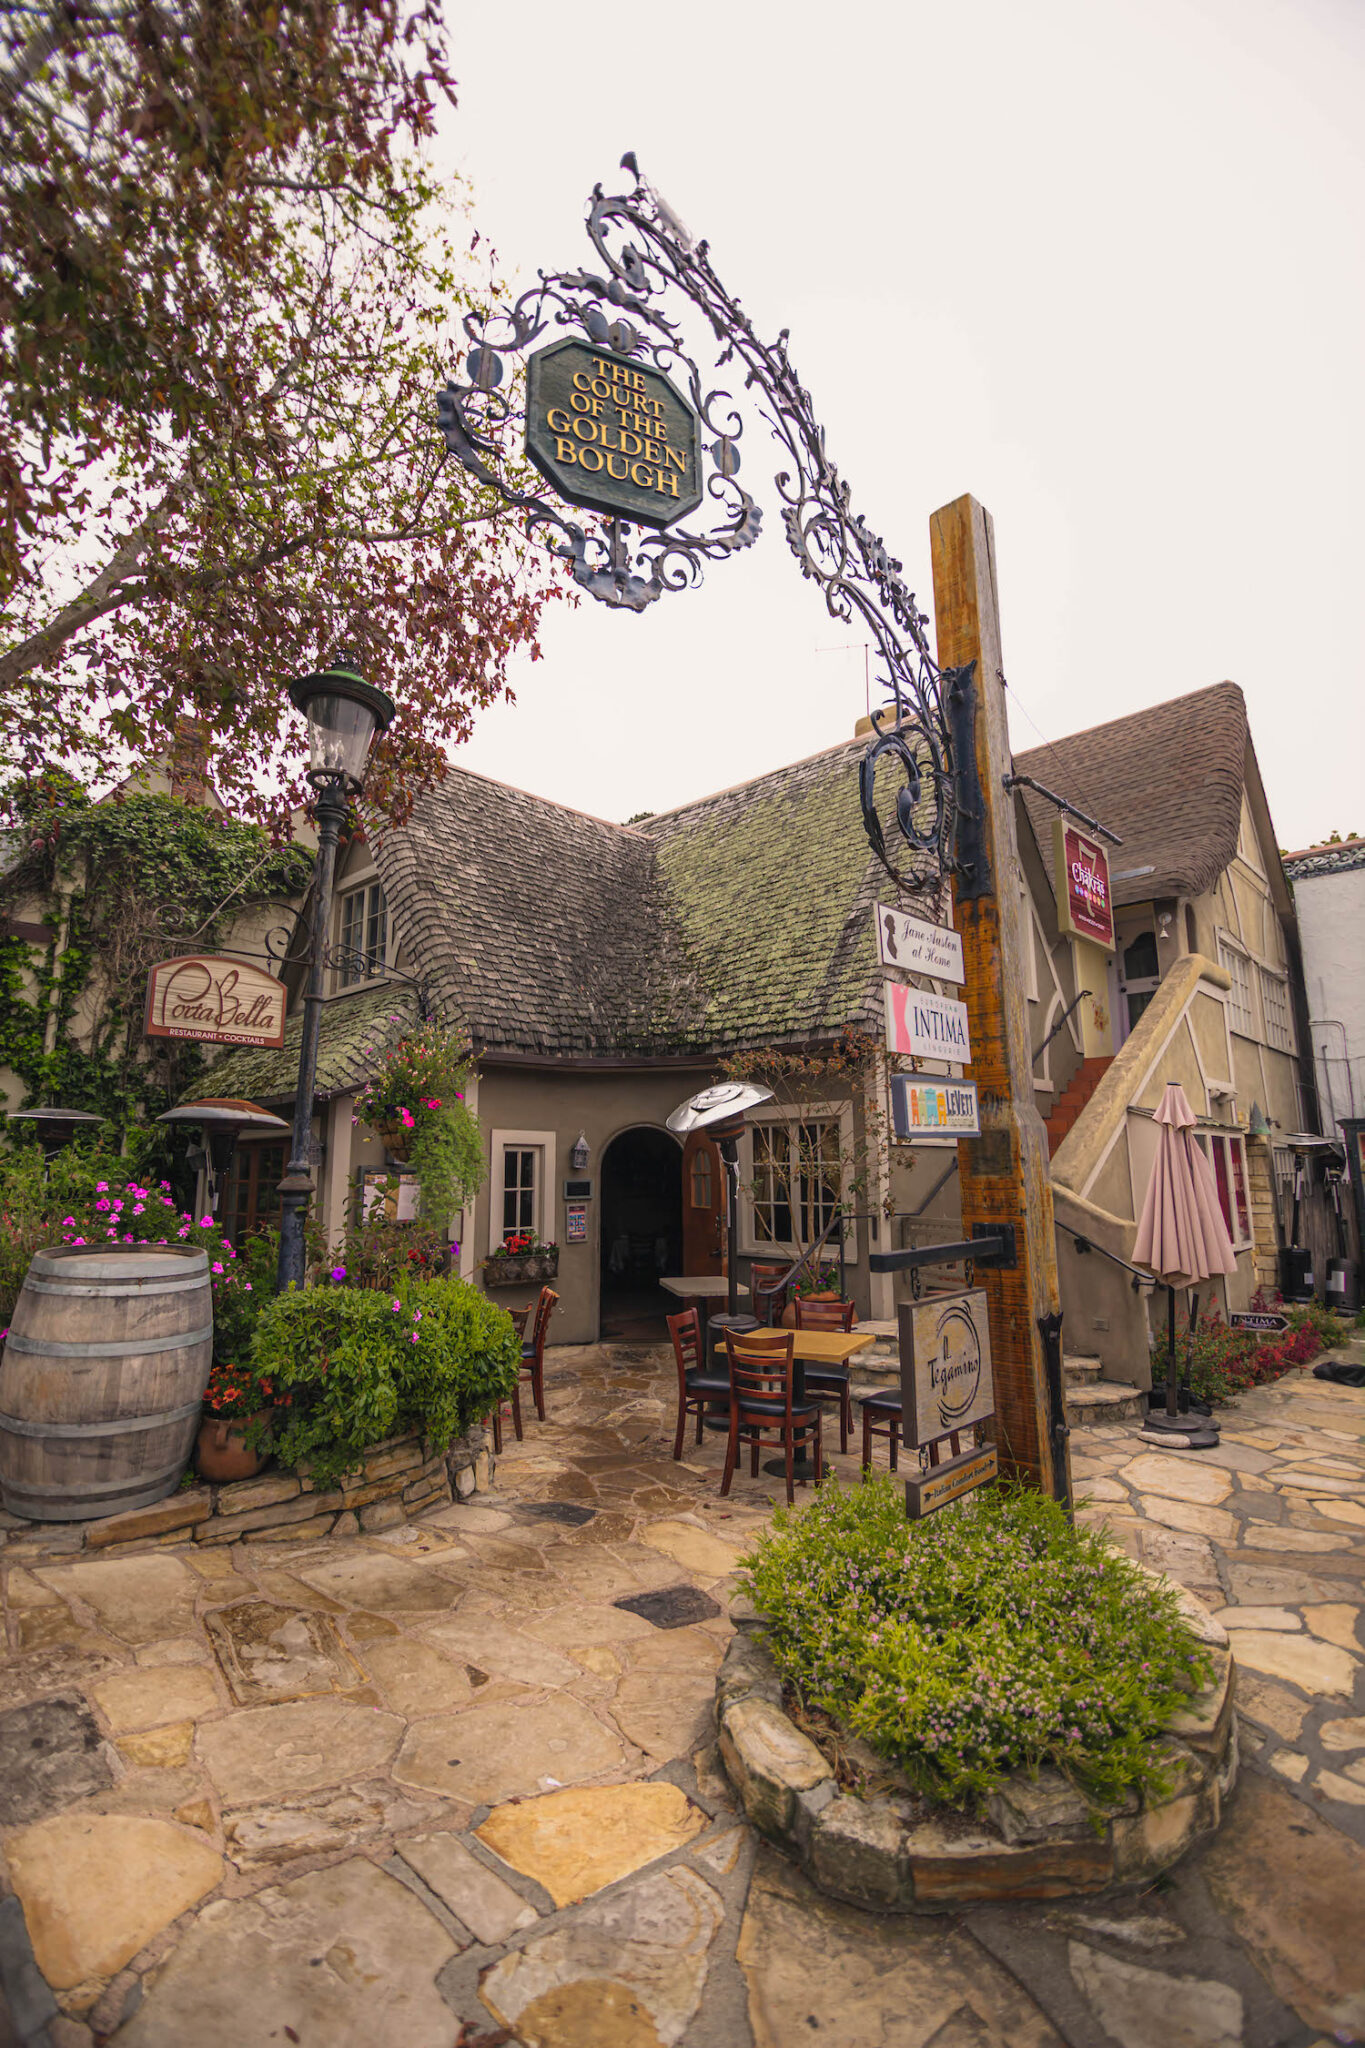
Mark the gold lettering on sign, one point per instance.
(636, 448)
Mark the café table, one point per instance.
(699, 1290)
(813, 1347)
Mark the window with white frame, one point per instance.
(364, 918)
(1227, 1156)
(796, 1180)
(521, 1185)
(1279, 1027)
(1237, 966)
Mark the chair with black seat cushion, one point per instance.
(829, 1382)
(761, 1406)
(881, 1417)
(696, 1388)
(767, 1306)
(533, 1347)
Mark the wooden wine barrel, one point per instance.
(105, 1365)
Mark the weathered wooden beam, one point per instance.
(1004, 1171)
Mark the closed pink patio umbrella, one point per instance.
(1181, 1234)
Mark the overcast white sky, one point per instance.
(1099, 264)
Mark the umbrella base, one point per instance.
(1179, 1432)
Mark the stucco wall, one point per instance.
(1332, 931)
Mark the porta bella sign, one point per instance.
(1085, 906)
(216, 999)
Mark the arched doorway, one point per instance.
(641, 1182)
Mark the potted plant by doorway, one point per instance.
(521, 1260)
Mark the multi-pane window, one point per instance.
(1227, 1156)
(518, 1190)
(1241, 1010)
(797, 1174)
(701, 1178)
(364, 933)
(772, 1189)
(1279, 1029)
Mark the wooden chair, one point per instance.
(518, 1316)
(881, 1417)
(533, 1348)
(696, 1387)
(767, 1307)
(761, 1407)
(829, 1382)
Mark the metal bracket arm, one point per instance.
(986, 1247)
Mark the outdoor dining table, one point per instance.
(809, 1347)
(701, 1289)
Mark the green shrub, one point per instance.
(992, 1636)
(359, 1366)
(1220, 1362)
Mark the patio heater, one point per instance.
(55, 1128)
(720, 1112)
(222, 1119)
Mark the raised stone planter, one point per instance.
(400, 1479)
(1041, 1838)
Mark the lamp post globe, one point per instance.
(344, 714)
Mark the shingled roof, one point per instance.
(1168, 780)
(352, 1029)
(737, 920)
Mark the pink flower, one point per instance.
(206, 1223)
(103, 1203)
(217, 1265)
(338, 1272)
(413, 1338)
(68, 1223)
(101, 1188)
(78, 1240)
(138, 1208)
(396, 1306)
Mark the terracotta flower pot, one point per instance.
(220, 1452)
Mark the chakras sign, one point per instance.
(1084, 903)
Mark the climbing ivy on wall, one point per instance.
(125, 882)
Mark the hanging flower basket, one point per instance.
(397, 1139)
(529, 1268)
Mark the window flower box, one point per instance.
(522, 1262)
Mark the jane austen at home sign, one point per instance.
(611, 434)
(216, 999)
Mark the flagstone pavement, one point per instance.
(456, 1784)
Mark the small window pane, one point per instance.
(364, 934)
(772, 1192)
(1241, 1013)
(1279, 1029)
(518, 1190)
(701, 1179)
(1220, 1174)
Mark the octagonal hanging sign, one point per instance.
(612, 435)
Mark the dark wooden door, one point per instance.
(703, 1205)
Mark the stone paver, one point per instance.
(270, 1766)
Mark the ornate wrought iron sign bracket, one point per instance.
(591, 401)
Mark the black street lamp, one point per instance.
(344, 713)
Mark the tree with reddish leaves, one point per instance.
(229, 288)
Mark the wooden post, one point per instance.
(1004, 1172)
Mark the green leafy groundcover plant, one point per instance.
(1222, 1362)
(992, 1637)
(434, 1356)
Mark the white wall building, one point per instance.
(1329, 895)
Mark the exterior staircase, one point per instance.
(1089, 1399)
(1073, 1099)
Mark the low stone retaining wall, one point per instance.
(1041, 1839)
(399, 1480)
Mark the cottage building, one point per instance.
(607, 971)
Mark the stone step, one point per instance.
(1081, 1370)
(1104, 1401)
